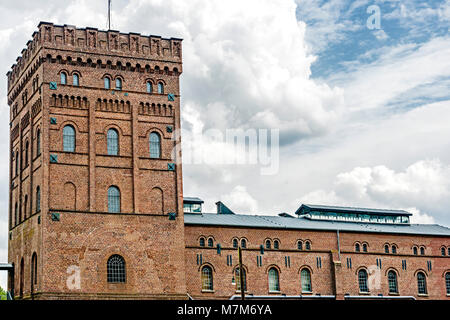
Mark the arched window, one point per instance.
(118, 84)
(33, 271)
(38, 142)
(235, 243)
(394, 249)
(38, 199)
(17, 163)
(243, 244)
(268, 244)
(107, 82)
(299, 245)
(27, 147)
(415, 251)
(305, 276)
(20, 210)
(421, 283)
(76, 80)
(238, 279)
(207, 278)
(155, 145)
(149, 87)
(21, 280)
(202, 242)
(116, 271)
(210, 242)
(357, 247)
(362, 281)
(16, 213)
(386, 248)
(308, 245)
(160, 88)
(443, 251)
(274, 280)
(447, 282)
(113, 142)
(68, 138)
(63, 78)
(364, 247)
(25, 203)
(448, 251)
(113, 199)
(392, 281)
(276, 244)
(422, 251)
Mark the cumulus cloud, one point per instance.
(240, 200)
(424, 184)
(245, 64)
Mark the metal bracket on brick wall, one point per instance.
(171, 166)
(171, 97)
(172, 215)
(52, 120)
(53, 85)
(53, 158)
(55, 216)
(169, 129)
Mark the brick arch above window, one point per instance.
(67, 72)
(113, 126)
(70, 123)
(157, 130)
(445, 272)
(77, 72)
(305, 266)
(270, 266)
(237, 266)
(206, 264)
(420, 270)
(363, 267)
(392, 269)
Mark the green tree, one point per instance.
(2, 294)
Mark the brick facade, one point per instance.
(75, 185)
(70, 228)
(330, 276)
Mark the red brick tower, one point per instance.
(96, 206)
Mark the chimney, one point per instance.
(223, 209)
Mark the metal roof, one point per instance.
(6, 266)
(192, 200)
(311, 207)
(277, 222)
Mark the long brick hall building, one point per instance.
(96, 207)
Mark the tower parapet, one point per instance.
(94, 41)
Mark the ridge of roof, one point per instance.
(277, 222)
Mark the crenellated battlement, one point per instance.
(94, 41)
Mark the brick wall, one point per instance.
(323, 246)
(75, 186)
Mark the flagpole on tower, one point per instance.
(109, 14)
